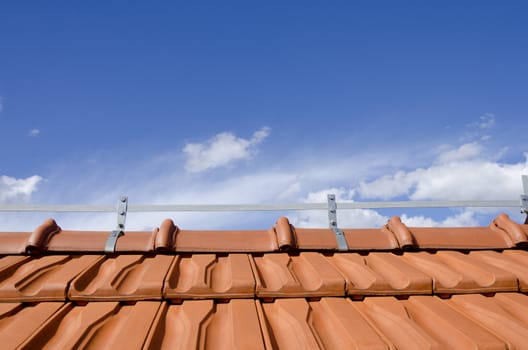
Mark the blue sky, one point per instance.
(229, 102)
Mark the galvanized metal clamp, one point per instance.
(122, 208)
(524, 198)
(332, 219)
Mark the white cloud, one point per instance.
(34, 132)
(222, 150)
(13, 189)
(465, 218)
(465, 152)
(460, 174)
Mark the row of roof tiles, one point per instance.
(421, 322)
(266, 276)
(50, 238)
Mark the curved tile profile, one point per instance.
(504, 316)
(124, 277)
(200, 324)
(380, 274)
(38, 279)
(285, 233)
(308, 275)
(401, 232)
(331, 323)
(507, 262)
(104, 325)
(425, 322)
(165, 235)
(454, 272)
(19, 322)
(38, 240)
(201, 276)
(513, 230)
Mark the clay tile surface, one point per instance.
(18, 322)
(426, 322)
(516, 264)
(331, 323)
(201, 276)
(460, 238)
(124, 277)
(310, 275)
(455, 272)
(381, 274)
(105, 325)
(225, 241)
(13, 242)
(396, 287)
(505, 315)
(95, 241)
(37, 279)
(201, 324)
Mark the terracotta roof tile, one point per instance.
(505, 315)
(37, 279)
(202, 276)
(309, 275)
(123, 277)
(454, 272)
(284, 287)
(381, 274)
(205, 324)
(331, 323)
(105, 325)
(19, 322)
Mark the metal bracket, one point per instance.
(332, 219)
(524, 198)
(122, 208)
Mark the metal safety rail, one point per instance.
(331, 206)
(258, 207)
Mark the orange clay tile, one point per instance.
(225, 241)
(512, 230)
(505, 315)
(94, 241)
(201, 276)
(331, 323)
(459, 238)
(507, 262)
(308, 275)
(357, 239)
(425, 322)
(124, 277)
(13, 242)
(18, 322)
(454, 272)
(39, 279)
(402, 277)
(202, 324)
(392, 277)
(103, 325)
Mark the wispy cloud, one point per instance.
(468, 170)
(34, 132)
(462, 173)
(480, 129)
(1, 104)
(13, 189)
(222, 150)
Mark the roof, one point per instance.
(285, 287)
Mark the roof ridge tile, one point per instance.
(402, 233)
(42, 234)
(502, 223)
